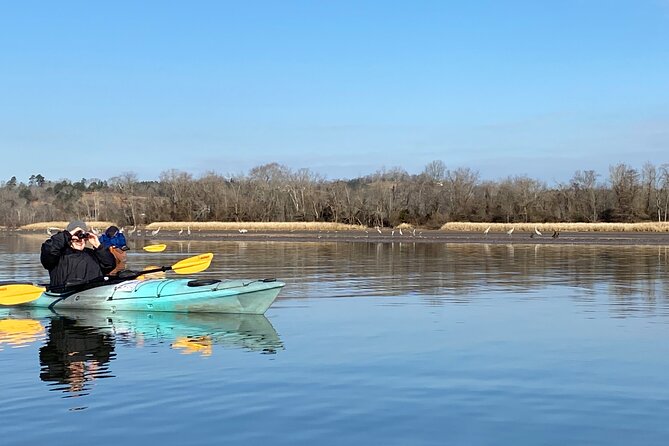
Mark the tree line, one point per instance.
(273, 192)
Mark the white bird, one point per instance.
(487, 230)
(510, 231)
(243, 231)
(188, 231)
(378, 230)
(392, 234)
(156, 231)
(181, 231)
(536, 231)
(401, 231)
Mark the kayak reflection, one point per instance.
(80, 345)
(185, 332)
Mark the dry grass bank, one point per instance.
(251, 226)
(562, 227)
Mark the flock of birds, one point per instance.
(536, 232)
(134, 231)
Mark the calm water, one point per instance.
(388, 344)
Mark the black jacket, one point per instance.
(68, 266)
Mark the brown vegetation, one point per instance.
(548, 228)
(273, 193)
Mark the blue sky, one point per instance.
(343, 88)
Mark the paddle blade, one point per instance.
(19, 293)
(193, 264)
(155, 248)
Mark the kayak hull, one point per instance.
(174, 295)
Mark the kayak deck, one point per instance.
(176, 295)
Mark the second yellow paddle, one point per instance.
(155, 248)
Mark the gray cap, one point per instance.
(76, 224)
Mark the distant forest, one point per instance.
(273, 193)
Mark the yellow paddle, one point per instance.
(155, 248)
(20, 293)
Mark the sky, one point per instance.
(342, 88)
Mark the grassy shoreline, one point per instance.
(560, 227)
(319, 226)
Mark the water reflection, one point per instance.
(80, 346)
(20, 332)
(75, 355)
(631, 277)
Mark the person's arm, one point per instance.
(102, 254)
(54, 248)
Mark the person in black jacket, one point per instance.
(70, 262)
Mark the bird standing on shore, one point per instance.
(510, 231)
(536, 231)
(485, 233)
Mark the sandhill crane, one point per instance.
(485, 233)
(556, 234)
(155, 232)
(509, 232)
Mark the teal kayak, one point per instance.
(176, 295)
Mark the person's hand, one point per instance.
(93, 240)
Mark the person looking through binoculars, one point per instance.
(70, 262)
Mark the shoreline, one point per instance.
(425, 236)
(393, 236)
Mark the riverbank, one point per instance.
(420, 236)
(528, 233)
